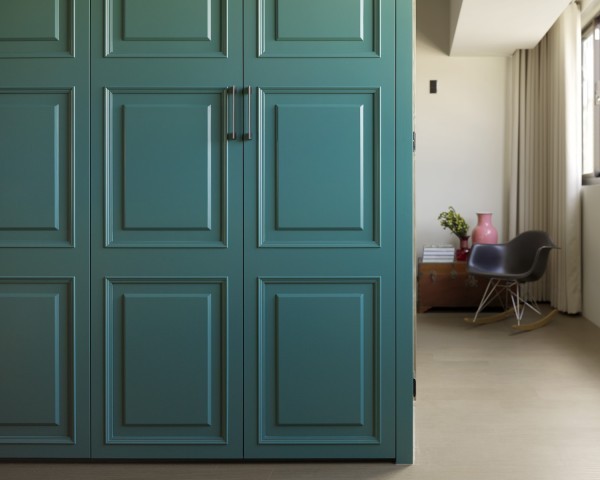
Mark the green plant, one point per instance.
(454, 222)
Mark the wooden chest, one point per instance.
(448, 285)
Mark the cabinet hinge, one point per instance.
(414, 388)
(414, 142)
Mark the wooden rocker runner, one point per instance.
(508, 266)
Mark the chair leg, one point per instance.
(519, 304)
(494, 288)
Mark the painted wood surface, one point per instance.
(44, 229)
(320, 230)
(167, 230)
(243, 286)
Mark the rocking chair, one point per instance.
(508, 266)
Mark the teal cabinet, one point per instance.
(226, 178)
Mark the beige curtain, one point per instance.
(544, 148)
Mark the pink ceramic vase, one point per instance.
(484, 231)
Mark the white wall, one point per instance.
(591, 253)
(460, 130)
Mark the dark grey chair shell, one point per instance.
(523, 259)
(508, 266)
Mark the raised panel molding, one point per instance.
(166, 28)
(37, 186)
(331, 193)
(306, 331)
(166, 168)
(319, 28)
(319, 167)
(324, 21)
(37, 368)
(29, 20)
(145, 333)
(37, 28)
(25, 161)
(182, 20)
(319, 360)
(154, 140)
(166, 351)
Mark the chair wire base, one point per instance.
(510, 295)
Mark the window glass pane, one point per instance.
(588, 103)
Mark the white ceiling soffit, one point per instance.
(499, 27)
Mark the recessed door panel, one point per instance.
(182, 20)
(37, 405)
(19, 22)
(320, 348)
(182, 373)
(166, 378)
(37, 28)
(325, 21)
(36, 191)
(166, 169)
(319, 173)
(166, 28)
(319, 28)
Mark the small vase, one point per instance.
(462, 253)
(484, 231)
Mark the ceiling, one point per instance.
(499, 27)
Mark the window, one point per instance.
(591, 100)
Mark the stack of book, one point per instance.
(438, 254)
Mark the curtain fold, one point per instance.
(544, 150)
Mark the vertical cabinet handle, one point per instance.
(231, 91)
(248, 135)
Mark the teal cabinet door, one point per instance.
(167, 229)
(44, 229)
(320, 229)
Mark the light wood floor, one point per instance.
(491, 406)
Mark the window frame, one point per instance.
(593, 30)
